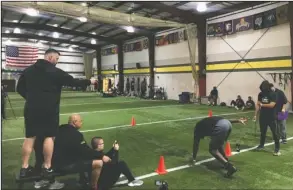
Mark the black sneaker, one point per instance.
(47, 172)
(260, 147)
(284, 141)
(26, 172)
(230, 170)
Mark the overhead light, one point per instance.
(93, 33)
(55, 25)
(83, 4)
(93, 41)
(201, 7)
(15, 21)
(8, 41)
(39, 44)
(82, 19)
(32, 12)
(70, 49)
(55, 35)
(16, 30)
(7, 31)
(130, 29)
(40, 34)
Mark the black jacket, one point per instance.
(40, 85)
(70, 147)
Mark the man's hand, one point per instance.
(283, 110)
(93, 81)
(106, 159)
(116, 145)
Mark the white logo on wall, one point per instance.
(258, 21)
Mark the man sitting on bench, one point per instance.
(111, 171)
(73, 155)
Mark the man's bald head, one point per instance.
(75, 120)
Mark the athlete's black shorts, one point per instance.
(41, 123)
(82, 166)
(220, 134)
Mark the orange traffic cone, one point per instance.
(228, 150)
(133, 122)
(210, 113)
(161, 167)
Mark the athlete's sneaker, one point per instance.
(230, 170)
(56, 185)
(284, 141)
(136, 182)
(41, 184)
(277, 153)
(26, 172)
(47, 172)
(260, 147)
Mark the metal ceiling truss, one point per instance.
(36, 37)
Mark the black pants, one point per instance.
(264, 124)
(111, 173)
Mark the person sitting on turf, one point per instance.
(238, 104)
(219, 130)
(213, 97)
(250, 105)
(73, 155)
(111, 171)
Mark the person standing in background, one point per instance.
(266, 105)
(281, 107)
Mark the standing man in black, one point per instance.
(266, 105)
(219, 130)
(280, 107)
(40, 85)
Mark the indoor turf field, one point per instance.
(163, 128)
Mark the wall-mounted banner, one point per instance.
(242, 24)
(171, 38)
(219, 29)
(282, 14)
(228, 27)
(270, 18)
(258, 21)
(211, 30)
(109, 51)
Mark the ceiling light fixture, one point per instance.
(55, 35)
(130, 29)
(32, 12)
(93, 41)
(40, 34)
(7, 31)
(82, 19)
(83, 4)
(16, 31)
(15, 21)
(93, 33)
(201, 7)
(70, 49)
(55, 25)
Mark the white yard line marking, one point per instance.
(138, 124)
(90, 103)
(197, 163)
(122, 109)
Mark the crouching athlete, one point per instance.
(219, 130)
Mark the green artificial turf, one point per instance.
(164, 128)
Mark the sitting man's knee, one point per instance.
(97, 164)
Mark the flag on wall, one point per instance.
(282, 14)
(211, 30)
(228, 27)
(219, 28)
(21, 56)
(242, 24)
(258, 21)
(270, 18)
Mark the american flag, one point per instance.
(21, 56)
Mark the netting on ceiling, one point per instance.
(93, 13)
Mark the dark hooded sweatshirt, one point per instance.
(40, 85)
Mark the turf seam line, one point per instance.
(197, 163)
(90, 103)
(139, 124)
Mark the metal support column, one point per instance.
(120, 67)
(152, 63)
(99, 69)
(202, 56)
